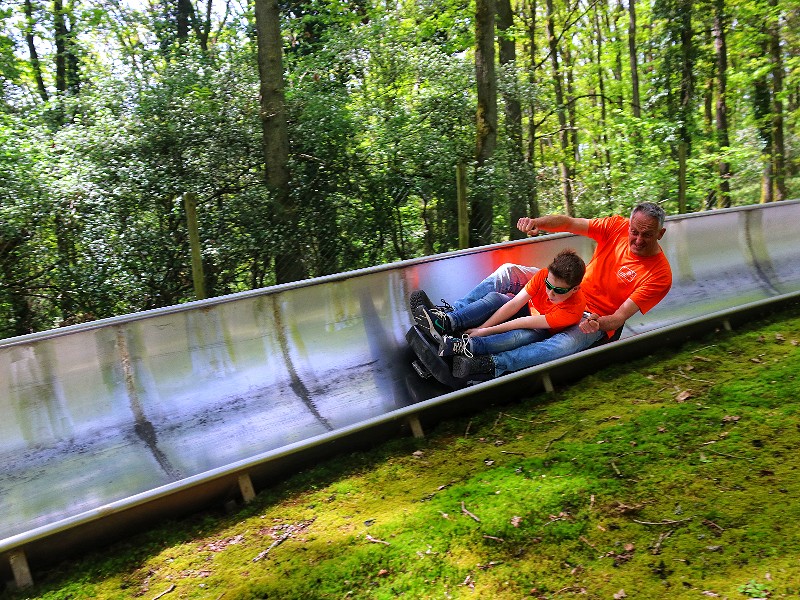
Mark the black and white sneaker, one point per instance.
(451, 346)
(420, 298)
(431, 322)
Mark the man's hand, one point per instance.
(528, 225)
(590, 324)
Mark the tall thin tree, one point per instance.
(561, 111)
(513, 114)
(288, 261)
(532, 129)
(30, 39)
(636, 103)
(684, 15)
(723, 140)
(482, 213)
(778, 147)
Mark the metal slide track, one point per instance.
(111, 425)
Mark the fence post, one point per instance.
(463, 215)
(198, 278)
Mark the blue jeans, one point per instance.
(507, 341)
(507, 279)
(510, 279)
(477, 312)
(562, 344)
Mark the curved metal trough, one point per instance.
(111, 425)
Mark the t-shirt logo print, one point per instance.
(626, 274)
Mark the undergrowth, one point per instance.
(675, 476)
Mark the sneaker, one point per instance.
(433, 319)
(429, 323)
(452, 345)
(464, 366)
(420, 298)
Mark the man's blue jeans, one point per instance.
(510, 279)
(477, 312)
(562, 344)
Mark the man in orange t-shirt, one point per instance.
(628, 273)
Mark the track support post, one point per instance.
(246, 488)
(547, 383)
(416, 427)
(20, 569)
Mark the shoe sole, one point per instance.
(425, 353)
(419, 298)
(461, 366)
(462, 369)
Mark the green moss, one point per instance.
(666, 478)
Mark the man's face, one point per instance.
(643, 235)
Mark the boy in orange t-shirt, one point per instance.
(549, 302)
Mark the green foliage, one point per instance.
(381, 108)
(752, 589)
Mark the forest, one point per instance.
(311, 137)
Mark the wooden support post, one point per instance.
(416, 426)
(246, 487)
(461, 198)
(20, 569)
(547, 383)
(198, 277)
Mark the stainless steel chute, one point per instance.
(115, 423)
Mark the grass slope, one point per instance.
(673, 477)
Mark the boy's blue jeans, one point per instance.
(510, 279)
(477, 312)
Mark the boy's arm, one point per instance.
(532, 322)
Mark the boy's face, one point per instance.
(557, 289)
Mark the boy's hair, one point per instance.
(567, 265)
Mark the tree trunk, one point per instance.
(687, 64)
(762, 103)
(184, 14)
(60, 27)
(778, 150)
(288, 257)
(513, 119)
(572, 117)
(67, 76)
(482, 212)
(530, 152)
(599, 42)
(723, 142)
(564, 167)
(35, 64)
(635, 101)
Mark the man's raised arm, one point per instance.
(552, 224)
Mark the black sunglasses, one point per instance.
(557, 290)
